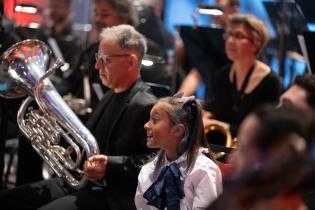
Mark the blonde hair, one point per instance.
(258, 29)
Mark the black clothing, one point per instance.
(112, 108)
(7, 39)
(153, 28)
(229, 106)
(125, 146)
(206, 51)
(8, 107)
(126, 142)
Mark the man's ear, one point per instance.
(134, 60)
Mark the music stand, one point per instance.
(205, 49)
(307, 7)
(286, 16)
(307, 42)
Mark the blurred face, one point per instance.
(239, 42)
(246, 155)
(295, 96)
(228, 10)
(112, 63)
(159, 128)
(105, 16)
(58, 10)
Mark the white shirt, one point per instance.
(202, 184)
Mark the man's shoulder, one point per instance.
(144, 94)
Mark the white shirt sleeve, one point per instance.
(144, 182)
(202, 186)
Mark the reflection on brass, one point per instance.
(25, 69)
(218, 135)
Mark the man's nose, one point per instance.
(98, 65)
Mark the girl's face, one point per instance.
(239, 42)
(160, 130)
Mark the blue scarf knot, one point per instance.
(167, 190)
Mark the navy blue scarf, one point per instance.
(167, 190)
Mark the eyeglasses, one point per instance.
(106, 58)
(236, 35)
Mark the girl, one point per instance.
(182, 175)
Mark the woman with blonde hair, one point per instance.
(247, 82)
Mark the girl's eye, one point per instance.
(154, 119)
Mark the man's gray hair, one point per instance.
(127, 38)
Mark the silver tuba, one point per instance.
(23, 71)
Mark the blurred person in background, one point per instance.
(58, 33)
(246, 83)
(273, 164)
(300, 94)
(196, 76)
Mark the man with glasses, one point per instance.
(106, 13)
(117, 125)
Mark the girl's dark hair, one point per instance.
(279, 122)
(189, 114)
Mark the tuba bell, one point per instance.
(220, 137)
(53, 129)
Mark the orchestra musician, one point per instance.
(112, 174)
(246, 83)
(198, 75)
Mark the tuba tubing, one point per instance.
(54, 121)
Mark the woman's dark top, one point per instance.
(229, 105)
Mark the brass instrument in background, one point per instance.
(24, 71)
(218, 135)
